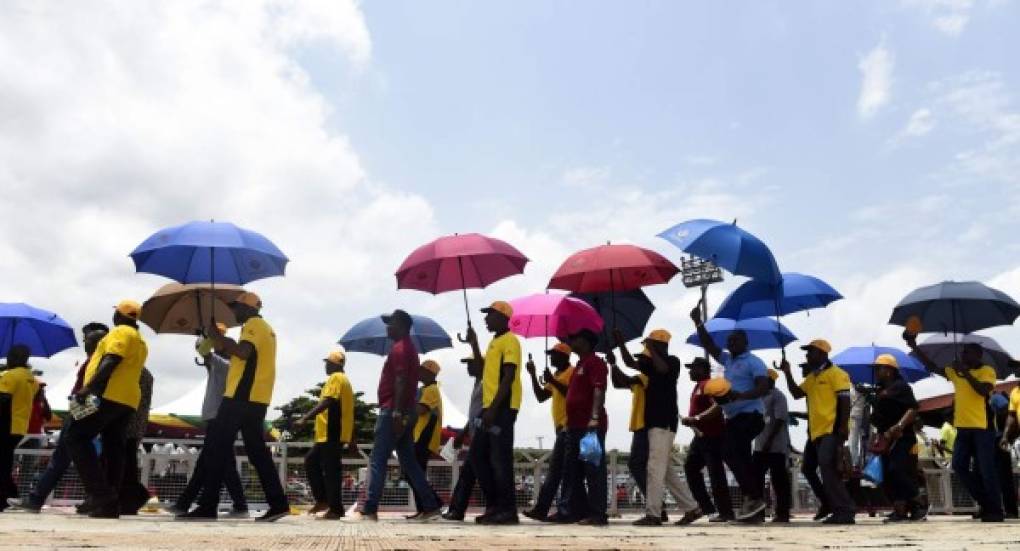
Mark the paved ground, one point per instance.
(63, 530)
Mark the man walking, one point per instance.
(492, 451)
(133, 494)
(248, 393)
(393, 428)
(705, 417)
(111, 376)
(637, 461)
(466, 480)
(827, 389)
(744, 409)
(772, 450)
(18, 389)
(428, 426)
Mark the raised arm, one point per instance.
(541, 394)
(928, 364)
(791, 383)
(707, 342)
(620, 380)
(625, 355)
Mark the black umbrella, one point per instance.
(632, 311)
(944, 349)
(956, 307)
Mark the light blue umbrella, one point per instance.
(760, 299)
(369, 336)
(859, 361)
(727, 246)
(762, 333)
(44, 332)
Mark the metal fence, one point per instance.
(167, 464)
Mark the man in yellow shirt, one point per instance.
(555, 387)
(973, 383)
(334, 428)
(18, 389)
(247, 395)
(492, 451)
(112, 376)
(637, 462)
(428, 427)
(827, 389)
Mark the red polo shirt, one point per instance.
(401, 361)
(591, 374)
(701, 402)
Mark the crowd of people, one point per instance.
(740, 422)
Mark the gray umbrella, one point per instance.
(956, 307)
(943, 349)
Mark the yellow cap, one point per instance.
(717, 387)
(250, 299)
(431, 366)
(773, 374)
(221, 327)
(336, 357)
(562, 348)
(129, 308)
(820, 344)
(502, 307)
(914, 325)
(659, 335)
(887, 360)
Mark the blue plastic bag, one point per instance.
(873, 470)
(591, 449)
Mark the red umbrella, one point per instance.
(459, 261)
(612, 268)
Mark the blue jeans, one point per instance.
(982, 483)
(385, 444)
(55, 469)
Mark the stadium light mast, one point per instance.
(700, 273)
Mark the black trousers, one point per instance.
(110, 423)
(837, 495)
(738, 441)
(492, 456)
(775, 466)
(706, 451)
(809, 468)
(8, 489)
(554, 478)
(324, 471)
(1004, 463)
(248, 418)
(462, 491)
(899, 474)
(231, 478)
(422, 454)
(578, 473)
(638, 461)
(133, 495)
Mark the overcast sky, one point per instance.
(873, 144)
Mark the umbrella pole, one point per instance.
(463, 288)
(212, 284)
(612, 296)
(546, 342)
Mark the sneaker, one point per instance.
(198, 515)
(757, 518)
(717, 518)
(331, 515)
(26, 505)
(648, 520)
(690, 517)
(751, 508)
(319, 507)
(919, 513)
(415, 516)
(273, 515)
(366, 517)
(822, 514)
(450, 515)
(238, 513)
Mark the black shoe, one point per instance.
(648, 520)
(976, 515)
(27, 505)
(918, 512)
(597, 521)
(834, 520)
(822, 514)
(782, 519)
(502, 519)
(993, 518)
(534, 515)
(332, 515)
(415, 516)
(557, 518)
(273, 515)
(198, 514)
(450, 515)
(108, 511)
(689, 517)
(83, 508)
(896, 517)
(758, 518)
(720, 519)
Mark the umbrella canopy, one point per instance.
(369, 336)
(209, 252)
(459, 261)
(795, 293)
(184, 309)
(610, 268)
(859, 361)
(631, 309)
(44, 332)
(727, 246)
(943, 349)
(956, 307)
(552, 315)
(762, 333)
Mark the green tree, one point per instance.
(364, 416)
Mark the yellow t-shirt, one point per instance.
(1014, 400)
(505, 349)
(254, 377)
(22, 386)
(559, 401)
(970, 409)
(339, 419)
(822, 388)
(431, 399)
(637, 403)
(123, 387)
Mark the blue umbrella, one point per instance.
(795, 293)
(630, 309)
(762, 333)
(369, 336)
(859, 361)
(956, 307)
(727, 246)
(45, 333)
(209, 252)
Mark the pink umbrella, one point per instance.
(552, 315)
(459, 261)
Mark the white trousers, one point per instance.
(662, 474)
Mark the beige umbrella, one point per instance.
(185, 309)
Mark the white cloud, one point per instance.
(876, 69)
(947, 16)
(921, 122)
